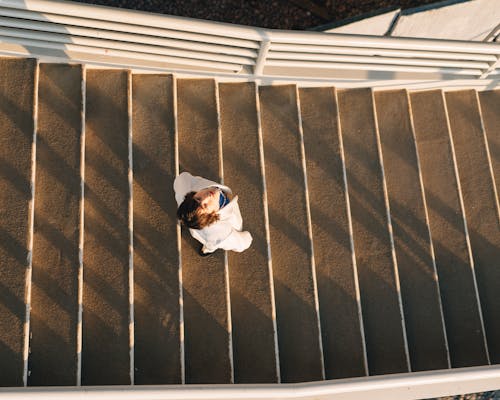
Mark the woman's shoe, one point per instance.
(203, 254)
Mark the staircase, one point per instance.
(375, 217)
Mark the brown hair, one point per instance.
(192, 215)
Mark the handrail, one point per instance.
(417, 385)
(493, 35)
(98, 34)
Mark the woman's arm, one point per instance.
(237, 241)
(182, 186)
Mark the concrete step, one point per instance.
(379, 285)
(375, 223)
(206, 314)
(17, 85)
(55, 313)
(480, 207)
(251, 287)
(299, 339)
(106, 303)
(490, 104)
(416, 269)
(439, 21)
(338, 287)
(157, 344)
(462, 314)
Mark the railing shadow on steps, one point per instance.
(111, 181)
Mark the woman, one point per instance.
(213, 218)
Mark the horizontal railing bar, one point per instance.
(376, 60)
(119, 27)
(383, 42)
(248, 33)
(121, 53)
(367, 51)
(103, 13)
(369, 67)
(124, 37)
(416, 385)
(122, 46)
(342, 79)
(96, 61)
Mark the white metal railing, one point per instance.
(418, 385)
(493, 35)
(94, 34)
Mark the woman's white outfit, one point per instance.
(224, 234)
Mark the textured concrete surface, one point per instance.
(251, 302)
(460, 307)
(419, 287)
(208, 330)
(379, 294)
(298, 335)
(17, 84)
(480, 205)
(204, 282)
(54, 297)
(340, 320)
(156, 258)
(105, 354)
(468, 20)
(376, 25)
(490, 104)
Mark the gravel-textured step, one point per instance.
(157, 346)
(490, 106)
(17, 86)
(106, 339)
(254, 346)
(375, 227)
(54, 299)
(206, 322)
(379, 287)
(456, 276)
(417, 274)
(297, 318)
(480, 205)
(343, 345)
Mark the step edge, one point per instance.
(31, 231)
(488, 154)
(390, 230)
(226, 261)
(182, 353)
(268, 233)
(81, 238)
(429, 233)
(466, 229)
(309, 230)
(131, 230)
(351, 237)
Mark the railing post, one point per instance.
(493, 34)
(491, 68)
(261, 59)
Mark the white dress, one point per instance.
(224, 234)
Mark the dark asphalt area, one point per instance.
(277, 14)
